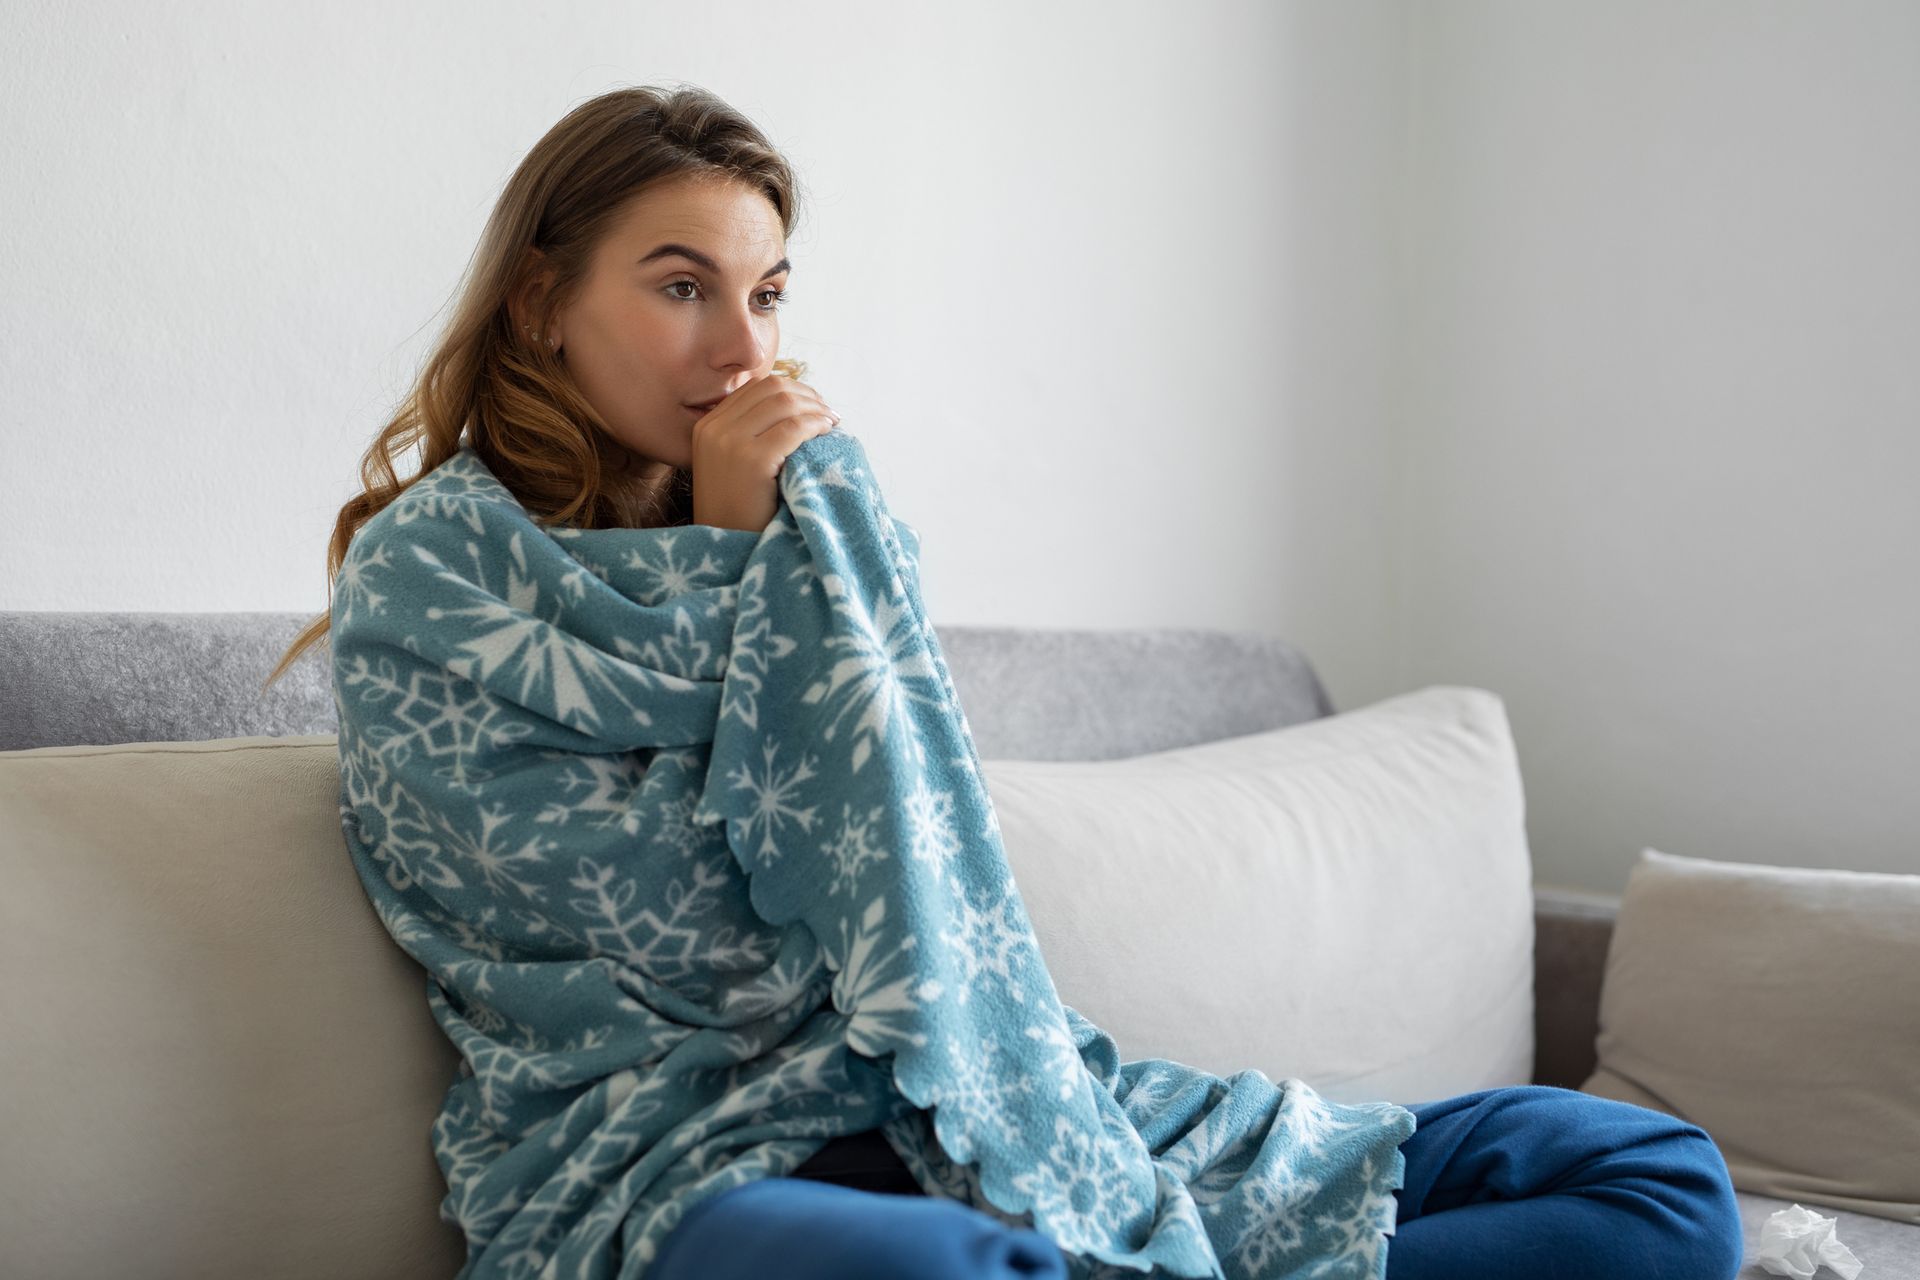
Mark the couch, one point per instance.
(274, 985)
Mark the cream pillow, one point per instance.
(216, 1060)
(1347, 901)
(1778, 1008)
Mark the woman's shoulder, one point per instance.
(454, 488)
(444, 536)
(459, 497)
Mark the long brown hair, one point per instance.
(512, 397)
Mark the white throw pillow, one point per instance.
(1347, 901)
(1778, 1008)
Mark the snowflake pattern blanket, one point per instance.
(687, 828)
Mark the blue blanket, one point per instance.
(687, 828)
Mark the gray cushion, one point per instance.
(1030, 693)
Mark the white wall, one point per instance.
(1049, 271)
(1657, 418)
(1468, 343)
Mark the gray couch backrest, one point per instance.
(1029, 693)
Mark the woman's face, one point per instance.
(655, 330)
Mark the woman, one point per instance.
(612, 366)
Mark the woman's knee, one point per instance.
(1713, 1229)
(1677, 1164)
(1667, 1171)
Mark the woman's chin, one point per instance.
(642, 462)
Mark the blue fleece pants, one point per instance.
(1528, 1182)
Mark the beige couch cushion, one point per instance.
(216, 1060)
(1778, 1008)
(219, 1063)
(1347, 901)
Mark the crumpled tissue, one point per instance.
(1795, 1242)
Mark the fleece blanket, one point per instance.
(687, 829)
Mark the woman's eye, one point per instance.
(778, 295)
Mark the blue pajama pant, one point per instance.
(1528, 1182)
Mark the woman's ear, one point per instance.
(525, 303)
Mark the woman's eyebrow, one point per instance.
(694, 255)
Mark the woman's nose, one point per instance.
(739, 340)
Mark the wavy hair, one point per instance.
(514, 400)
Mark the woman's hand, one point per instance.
(740, 444)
